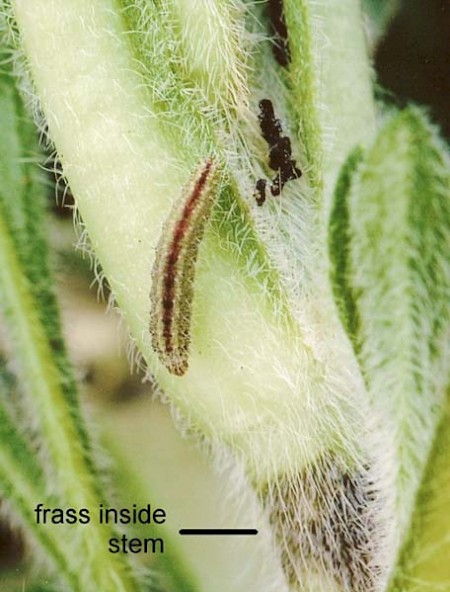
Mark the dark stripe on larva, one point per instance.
(174, 269)
(278, 28)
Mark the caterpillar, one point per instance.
(173, 271)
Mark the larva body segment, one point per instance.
(174, 268)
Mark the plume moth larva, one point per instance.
(174, 268)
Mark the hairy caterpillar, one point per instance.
(174, 268)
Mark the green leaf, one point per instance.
(398, 283)
(339, 247)
(23, 485)
(30, 315)
(329, 56)
(423, 563)
(22, 199)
